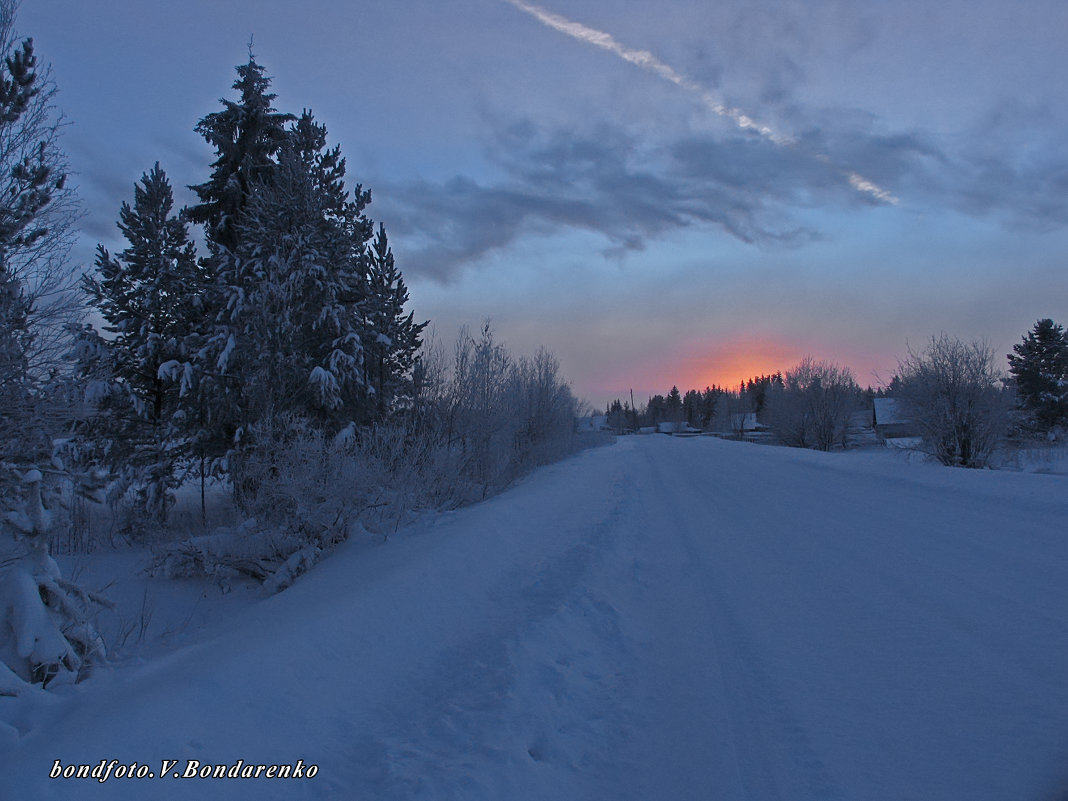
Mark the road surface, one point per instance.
(663, 618)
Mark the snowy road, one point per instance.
(661, 619)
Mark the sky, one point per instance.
(685, 195)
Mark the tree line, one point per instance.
(952, 392)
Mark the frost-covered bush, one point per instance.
(504, 415)
(731, 412)
(265, 553)
(302, 492)
(546, 411)
(480, 420)
(952, 391)
(814, 406)
(472, 427)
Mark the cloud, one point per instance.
(1014, 166)
(103, 189)
(650, 63)
(630, 190)
(1008, 165)
(605, 181)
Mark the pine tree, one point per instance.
(29, 182)
(1039, 366)
(392, 338)
(44, 629)
(34, 230)
(153, 299)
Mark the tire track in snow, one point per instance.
(773, 755)
(921, 666)
(541, 679)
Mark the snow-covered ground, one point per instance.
(659, 619)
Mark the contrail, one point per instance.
(650, 63)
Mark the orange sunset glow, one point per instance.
(697, 365)
(728, 364)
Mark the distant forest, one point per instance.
(953, 393)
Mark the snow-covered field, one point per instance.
(659, 619)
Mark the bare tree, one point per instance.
(813, 408)
(953, 392)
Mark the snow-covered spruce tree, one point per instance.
(392, 338)
(152, 297)
(246, 135)
(44, 624)
(289, 339)
(1039, 367)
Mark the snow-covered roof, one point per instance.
(746, 421)
(888, 411)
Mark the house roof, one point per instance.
(888, 411)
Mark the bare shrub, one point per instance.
(545, 411)
(503, 415)
(813, 407)
(952, 391)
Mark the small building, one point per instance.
(744, 422)
(890, 421)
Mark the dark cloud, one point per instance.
(606, 182)
(1009, 165)
(1014, 166)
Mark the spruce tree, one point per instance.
(306, 304)
(290, 335)
(246, 135)
(392, 338)
(673, 406)
(1039, 366)
(152, 297)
